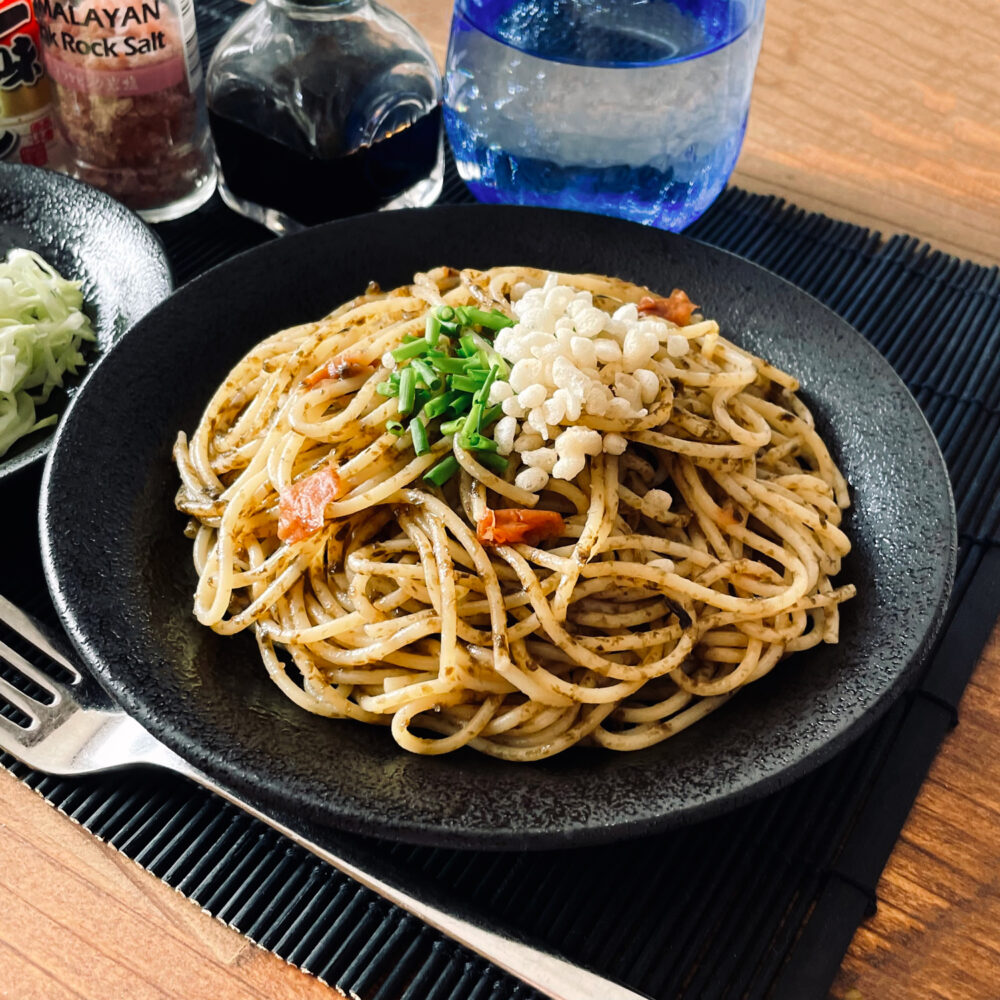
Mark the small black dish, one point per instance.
(124, 587)
(88, 237)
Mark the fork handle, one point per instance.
(550, 975)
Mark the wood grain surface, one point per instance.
(78, 919)
(887, 114)
(936, 935)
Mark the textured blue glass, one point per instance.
(558, 29)
(634, 108)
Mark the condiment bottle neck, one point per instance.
(318, 8)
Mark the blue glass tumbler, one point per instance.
(634, 108)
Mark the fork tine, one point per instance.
(18, 698)
(20, 622)
(23, 666)
(12, 735)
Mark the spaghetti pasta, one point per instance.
(653, 524)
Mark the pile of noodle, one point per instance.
(634, 624)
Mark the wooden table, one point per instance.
(884, 114)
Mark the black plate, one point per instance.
(124, 585)
(86, 236)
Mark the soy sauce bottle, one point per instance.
(324, 108)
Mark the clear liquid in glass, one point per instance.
(635, 110)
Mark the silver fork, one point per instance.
(80, 731)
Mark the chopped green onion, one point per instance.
(407, 390)
(460, 407)
(493, 414)
(411, 350)
(451, 366)
(474, 421)
(427, 374)
(418, 433)
(487, 354)
(420, 399)
(448, 379)
(477, 442)
(494, 320)
(480, 341)
(437, 406)
(491, 461)
(470, 428)
(432, 329)
(472, 382)
(484, 393)
(443, 471)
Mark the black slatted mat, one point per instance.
(760, 903)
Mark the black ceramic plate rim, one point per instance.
(247, 783)
(113, 213)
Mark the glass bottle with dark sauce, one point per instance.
(324, 109)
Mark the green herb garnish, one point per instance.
(448, 373)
